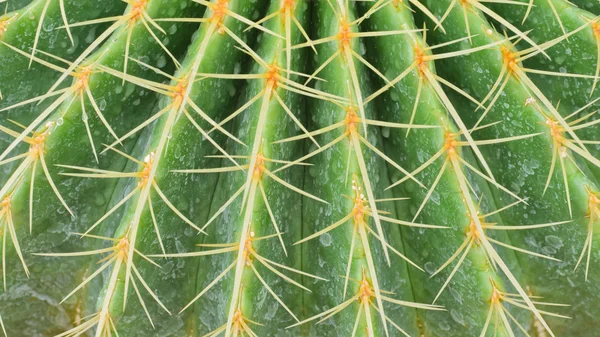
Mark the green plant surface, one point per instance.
(35, 25)
(591, 6)
(338, 236)
(576, 190)
(246, 282)
(68, 127)
(576, 74)
(13, 5)
(421, 168)
(442, 202)
(138, 231)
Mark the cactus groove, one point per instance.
(420, 168)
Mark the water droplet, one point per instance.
(129, 89)
(99, 199)
(180, 248)
(560, 59)
(554, 241)
(161, 62)
(48, 27)
(429, 267)
(145, 59)
(435, 197)
(385, 132)
(547, 250)
(457, 317)
(91, 35)
(173, 29)
(325, 240)
(456, 295)
(59, 121)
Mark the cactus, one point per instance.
(299, 168)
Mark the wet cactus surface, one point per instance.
(423, 168)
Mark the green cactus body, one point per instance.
(66, 127)
(13, 5)
(431, 205)
(249, 283)
(343, 237)
(591, 6)
(561, 78)
(513, 101)
(22, 30)
(154, 195)
(299, 168)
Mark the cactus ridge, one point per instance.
(532, 101)
(356, 141)
(456, 162)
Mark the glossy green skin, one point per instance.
(573, 93)
(592, 6)
(53, 228)
(12, 5)
(468, 294)
(256, 303)
(523, 167)
(175, 282)
(487, 205)
(20, 33)
(329, 253)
